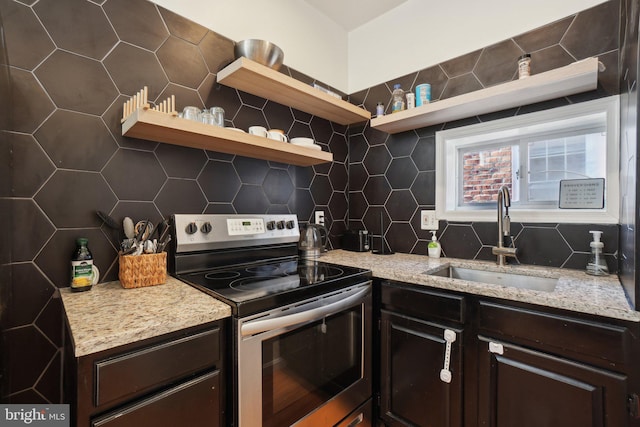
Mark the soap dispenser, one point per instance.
(434, 246)
(597, 265)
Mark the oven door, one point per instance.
(307, 364)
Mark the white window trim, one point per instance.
(446, 169)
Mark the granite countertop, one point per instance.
(108, 315)
(575, 291)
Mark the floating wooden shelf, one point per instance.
(578, 77)
(161, 127)
(254, 78)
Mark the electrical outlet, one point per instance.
(428, 220)
(319, 217)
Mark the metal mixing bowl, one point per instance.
(260, 51)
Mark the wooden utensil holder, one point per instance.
(137, 271)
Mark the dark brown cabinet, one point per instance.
(176, 379)
(526, 388)
(413, 324)
(512, 364)
(555, 370)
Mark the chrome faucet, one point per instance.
(504, 227)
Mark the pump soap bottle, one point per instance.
(434, 246)
(597, 265)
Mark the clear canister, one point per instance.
(191, 113)
(218, 116)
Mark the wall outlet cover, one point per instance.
(428, 220)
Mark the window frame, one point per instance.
(448, 143)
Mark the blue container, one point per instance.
(423, 94)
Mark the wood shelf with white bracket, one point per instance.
(580, 76)
(161, 127)
(251, 77)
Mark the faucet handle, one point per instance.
(507, 252)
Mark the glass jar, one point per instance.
(524, 66)
(218, 116)
(191, 113)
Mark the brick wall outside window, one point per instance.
(484, 173)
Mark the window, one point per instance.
(530, 154)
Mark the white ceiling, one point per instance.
(350, 14)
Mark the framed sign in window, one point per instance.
(582, 193)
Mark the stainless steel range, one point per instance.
(302, 328)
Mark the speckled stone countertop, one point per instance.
(109, 315)
(575, 290)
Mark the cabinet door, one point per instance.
(195, 403)
(412, 356)
(527, 388)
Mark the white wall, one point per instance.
(414, 36)
(312, 43)
(419, 33)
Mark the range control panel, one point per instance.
(201, 232)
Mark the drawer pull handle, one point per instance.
(445, 373)
(496, 348)
(357, 420)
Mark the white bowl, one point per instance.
(299, 140)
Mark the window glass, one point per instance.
(530, 154)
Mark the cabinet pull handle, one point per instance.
(357, 420)
(496, 348)
(445, 373)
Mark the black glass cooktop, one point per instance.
(258, 287)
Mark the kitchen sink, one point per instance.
(536, 283)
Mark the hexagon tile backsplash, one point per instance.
(392, 177)
(74, 62)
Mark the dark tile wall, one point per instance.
(5, 211)
(629, 52)
(392, 177)
(72, 64)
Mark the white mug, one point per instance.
(277, 134)
(258, 130)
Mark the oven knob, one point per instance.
(271, 225)
(191, 228)
(291, 224)
(206, 227)
(280, 225)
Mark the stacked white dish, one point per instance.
(305, 142)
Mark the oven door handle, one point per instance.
(259, 326)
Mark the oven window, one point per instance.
(304, 368)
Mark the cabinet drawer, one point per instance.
(194, 404)
(587, 340)
(422, 303)
(147, 369)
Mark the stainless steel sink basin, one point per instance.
(536, 283)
